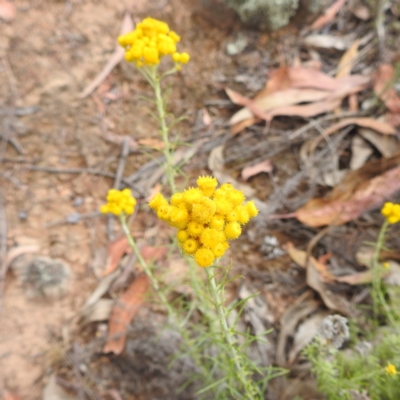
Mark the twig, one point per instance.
(380, 26)
(3, 247)
(19, 111)
(73, 219)
(316, 122)
(90, 171)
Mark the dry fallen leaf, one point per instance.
(332, 301)
(383, 88)
(123, 312)
(361, 12)
(361, 150)
(305, 333)
(152, 143)
(326, 42)
(293, 86)
(8, 12)
(300, 258)
(288, 323)
(329, 14)
(369, 194)
(386, 145)
(263, 166)
(116, 249)
(151, 254)
(347, 61)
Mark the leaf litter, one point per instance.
(299, 92)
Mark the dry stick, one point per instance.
(3, 247)
(117, 183)
(9, 122)
(316, 122)
(90, 171)
(380, 27)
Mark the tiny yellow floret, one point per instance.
(157, 201)
(391, 370)
(207, 185)
(204, 257)
(190, 246)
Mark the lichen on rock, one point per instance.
(264, 14)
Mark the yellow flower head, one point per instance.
(207, 218)
(392, 212)
(149, 42)
(233, 230)
(157, 201)
(182, 235)
(190, 246)
(207, 185)
(204, 257)
(119, 202)
(391, 369)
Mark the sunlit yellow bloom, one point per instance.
(182, 235)
(236, 197)
(164, 212)
(251, 209)
(207, 185)
(392, 212)
(119, 202)
(204, 257)
(194, 228)
(190, 246)
(149, 42)
(207, 218)
(223, 205)
(232, 216)
(232, 230)
(209, 237)
(203, 210)
(217, 222)
(219, 249)
(191, 195)
(157, 201)
(242, 214)
(391, 369)
(386, 265)
(179, 217)
(177, 199)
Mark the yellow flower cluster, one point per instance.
(392, 212)
(206, 217)
(149, 42)
(391, 369)
(118, 202)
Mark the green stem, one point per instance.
(146, 268)
(377, 294)
(218, 296)
(155, 82)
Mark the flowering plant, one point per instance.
(207, 218)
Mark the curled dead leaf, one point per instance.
(263, 166)
(369, 194)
